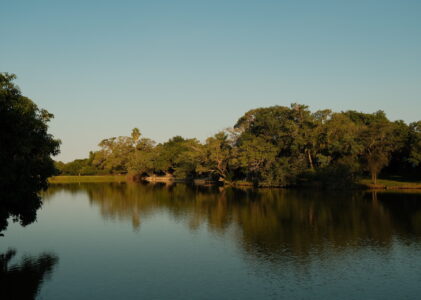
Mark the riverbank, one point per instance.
(382, 184)
(82, 179)
(390, 184)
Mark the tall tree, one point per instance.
(253, 155)
(142, 160)
(379, 138)
(114, 154)
(415, 144)
(26, 146)
(215, 157)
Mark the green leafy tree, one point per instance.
(26, 146)
(415, 144)
(254, 155)
(176, 157)
(114, 154)
(214, 157)
(289, 130)
(142, 159)
(379, 138)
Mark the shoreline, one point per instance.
(87, 178)
(364, 184)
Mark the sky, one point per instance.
(193, 67)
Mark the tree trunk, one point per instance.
(310, 160)
(374, 177)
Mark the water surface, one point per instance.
(132, 241)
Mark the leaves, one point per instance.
(272, 146)
(26, 146)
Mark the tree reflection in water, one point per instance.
(23, 280)
(267, 222)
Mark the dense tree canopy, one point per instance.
(273, 146)
(26, 148)
(415, 143)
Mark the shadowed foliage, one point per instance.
(26, 148)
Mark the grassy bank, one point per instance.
(76, 179)
(392, 184)
(382, 184)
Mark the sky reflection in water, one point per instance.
(131, 241)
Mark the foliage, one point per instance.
(26, 146)
(415, 143)
(379, 138)
(272, 146)
(215, 155)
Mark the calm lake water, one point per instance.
(132, 241)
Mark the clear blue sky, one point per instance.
(192, 68)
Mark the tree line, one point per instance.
(272, 146)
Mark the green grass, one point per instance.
(242, 183)
(392, 184)
(99, 178)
